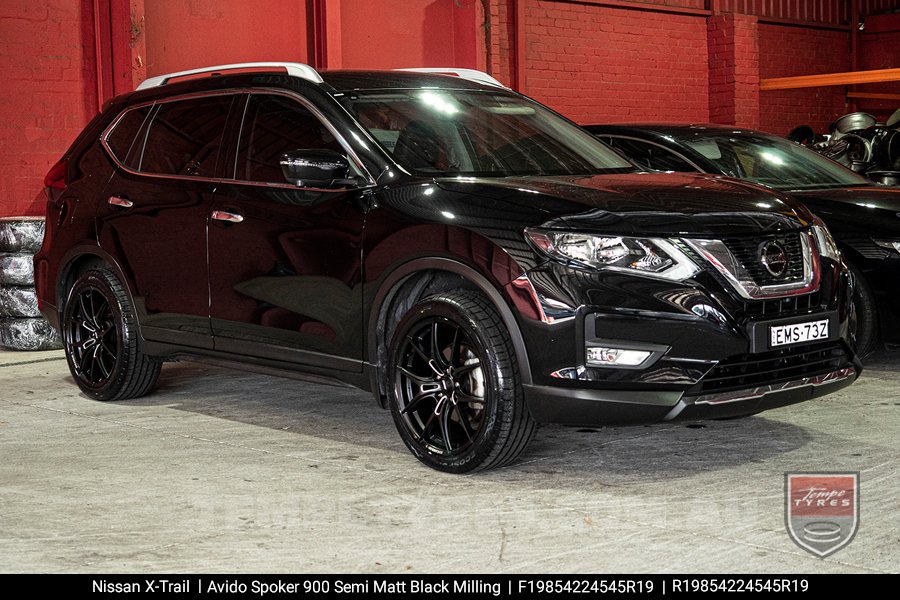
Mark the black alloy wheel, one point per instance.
(100, 337)
(441, 384)
(92, 338)
(455, 393)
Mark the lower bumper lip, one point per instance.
(761, 391)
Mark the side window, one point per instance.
(651, 156)
(122, 140)
(185, 136)
(272, 126)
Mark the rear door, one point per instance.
(285, 269)
(154, 219)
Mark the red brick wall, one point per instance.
(733, 70)
(48, 93)
(787, 51)
(879, 48)
(500, 39)
(600, 64)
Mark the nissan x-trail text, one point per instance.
(478, 262)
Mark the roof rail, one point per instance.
(470, 74)
(296, 69)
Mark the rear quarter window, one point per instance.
(122, 140)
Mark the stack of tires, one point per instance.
(21, 325)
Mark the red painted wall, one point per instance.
(600, 64)
(186, 34)
(48, 92)
(591, 62)
(786, 51)
(388, 34)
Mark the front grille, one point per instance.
(747, 252)
(784, 307)
(748, 371)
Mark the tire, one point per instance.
(28, 334)
(16, 268)
(18, 301)
(866, 311)
(452, 413)
(100, 336)
(21, 234)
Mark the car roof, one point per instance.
(349, 80)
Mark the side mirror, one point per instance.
(316, 168)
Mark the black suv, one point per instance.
(478, 262)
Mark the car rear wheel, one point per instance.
(100, 336)
(455, 392)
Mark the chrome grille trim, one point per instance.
(716, 253)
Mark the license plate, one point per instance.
(782, 335)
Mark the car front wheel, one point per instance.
(455, 392)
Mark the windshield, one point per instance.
(772, 161)
(438, 132)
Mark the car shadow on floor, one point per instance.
(351, 416)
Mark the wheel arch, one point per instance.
(82, 258)
(422, 277)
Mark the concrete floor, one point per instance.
(218, 471)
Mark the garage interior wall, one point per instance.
(592, 60)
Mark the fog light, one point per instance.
(616, 357)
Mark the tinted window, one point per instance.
(185, 136)
(651, 156)
(121, 140)
(772, 161)
(272, 126)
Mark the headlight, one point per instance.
(653, 257)
(827, 246)
(889, 244)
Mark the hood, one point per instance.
(865, 211)
(874, 196)
(642, 203)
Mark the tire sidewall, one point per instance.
(866, 313)
(99, 281)
(496, 386)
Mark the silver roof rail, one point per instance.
(296, 69)
(470, 74)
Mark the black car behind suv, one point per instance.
(477, 261)
(862, 216)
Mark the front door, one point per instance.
(284, 262)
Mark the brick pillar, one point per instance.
(733, 70)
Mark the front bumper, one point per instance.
(711, 357)
(597, 407)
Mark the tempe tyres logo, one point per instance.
(821, 510)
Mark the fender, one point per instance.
(407, 269)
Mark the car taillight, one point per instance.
(56, 176)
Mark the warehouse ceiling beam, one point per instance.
(829, 79)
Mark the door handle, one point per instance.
(221, 215)
(120, 201)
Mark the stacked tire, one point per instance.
(21, 325)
